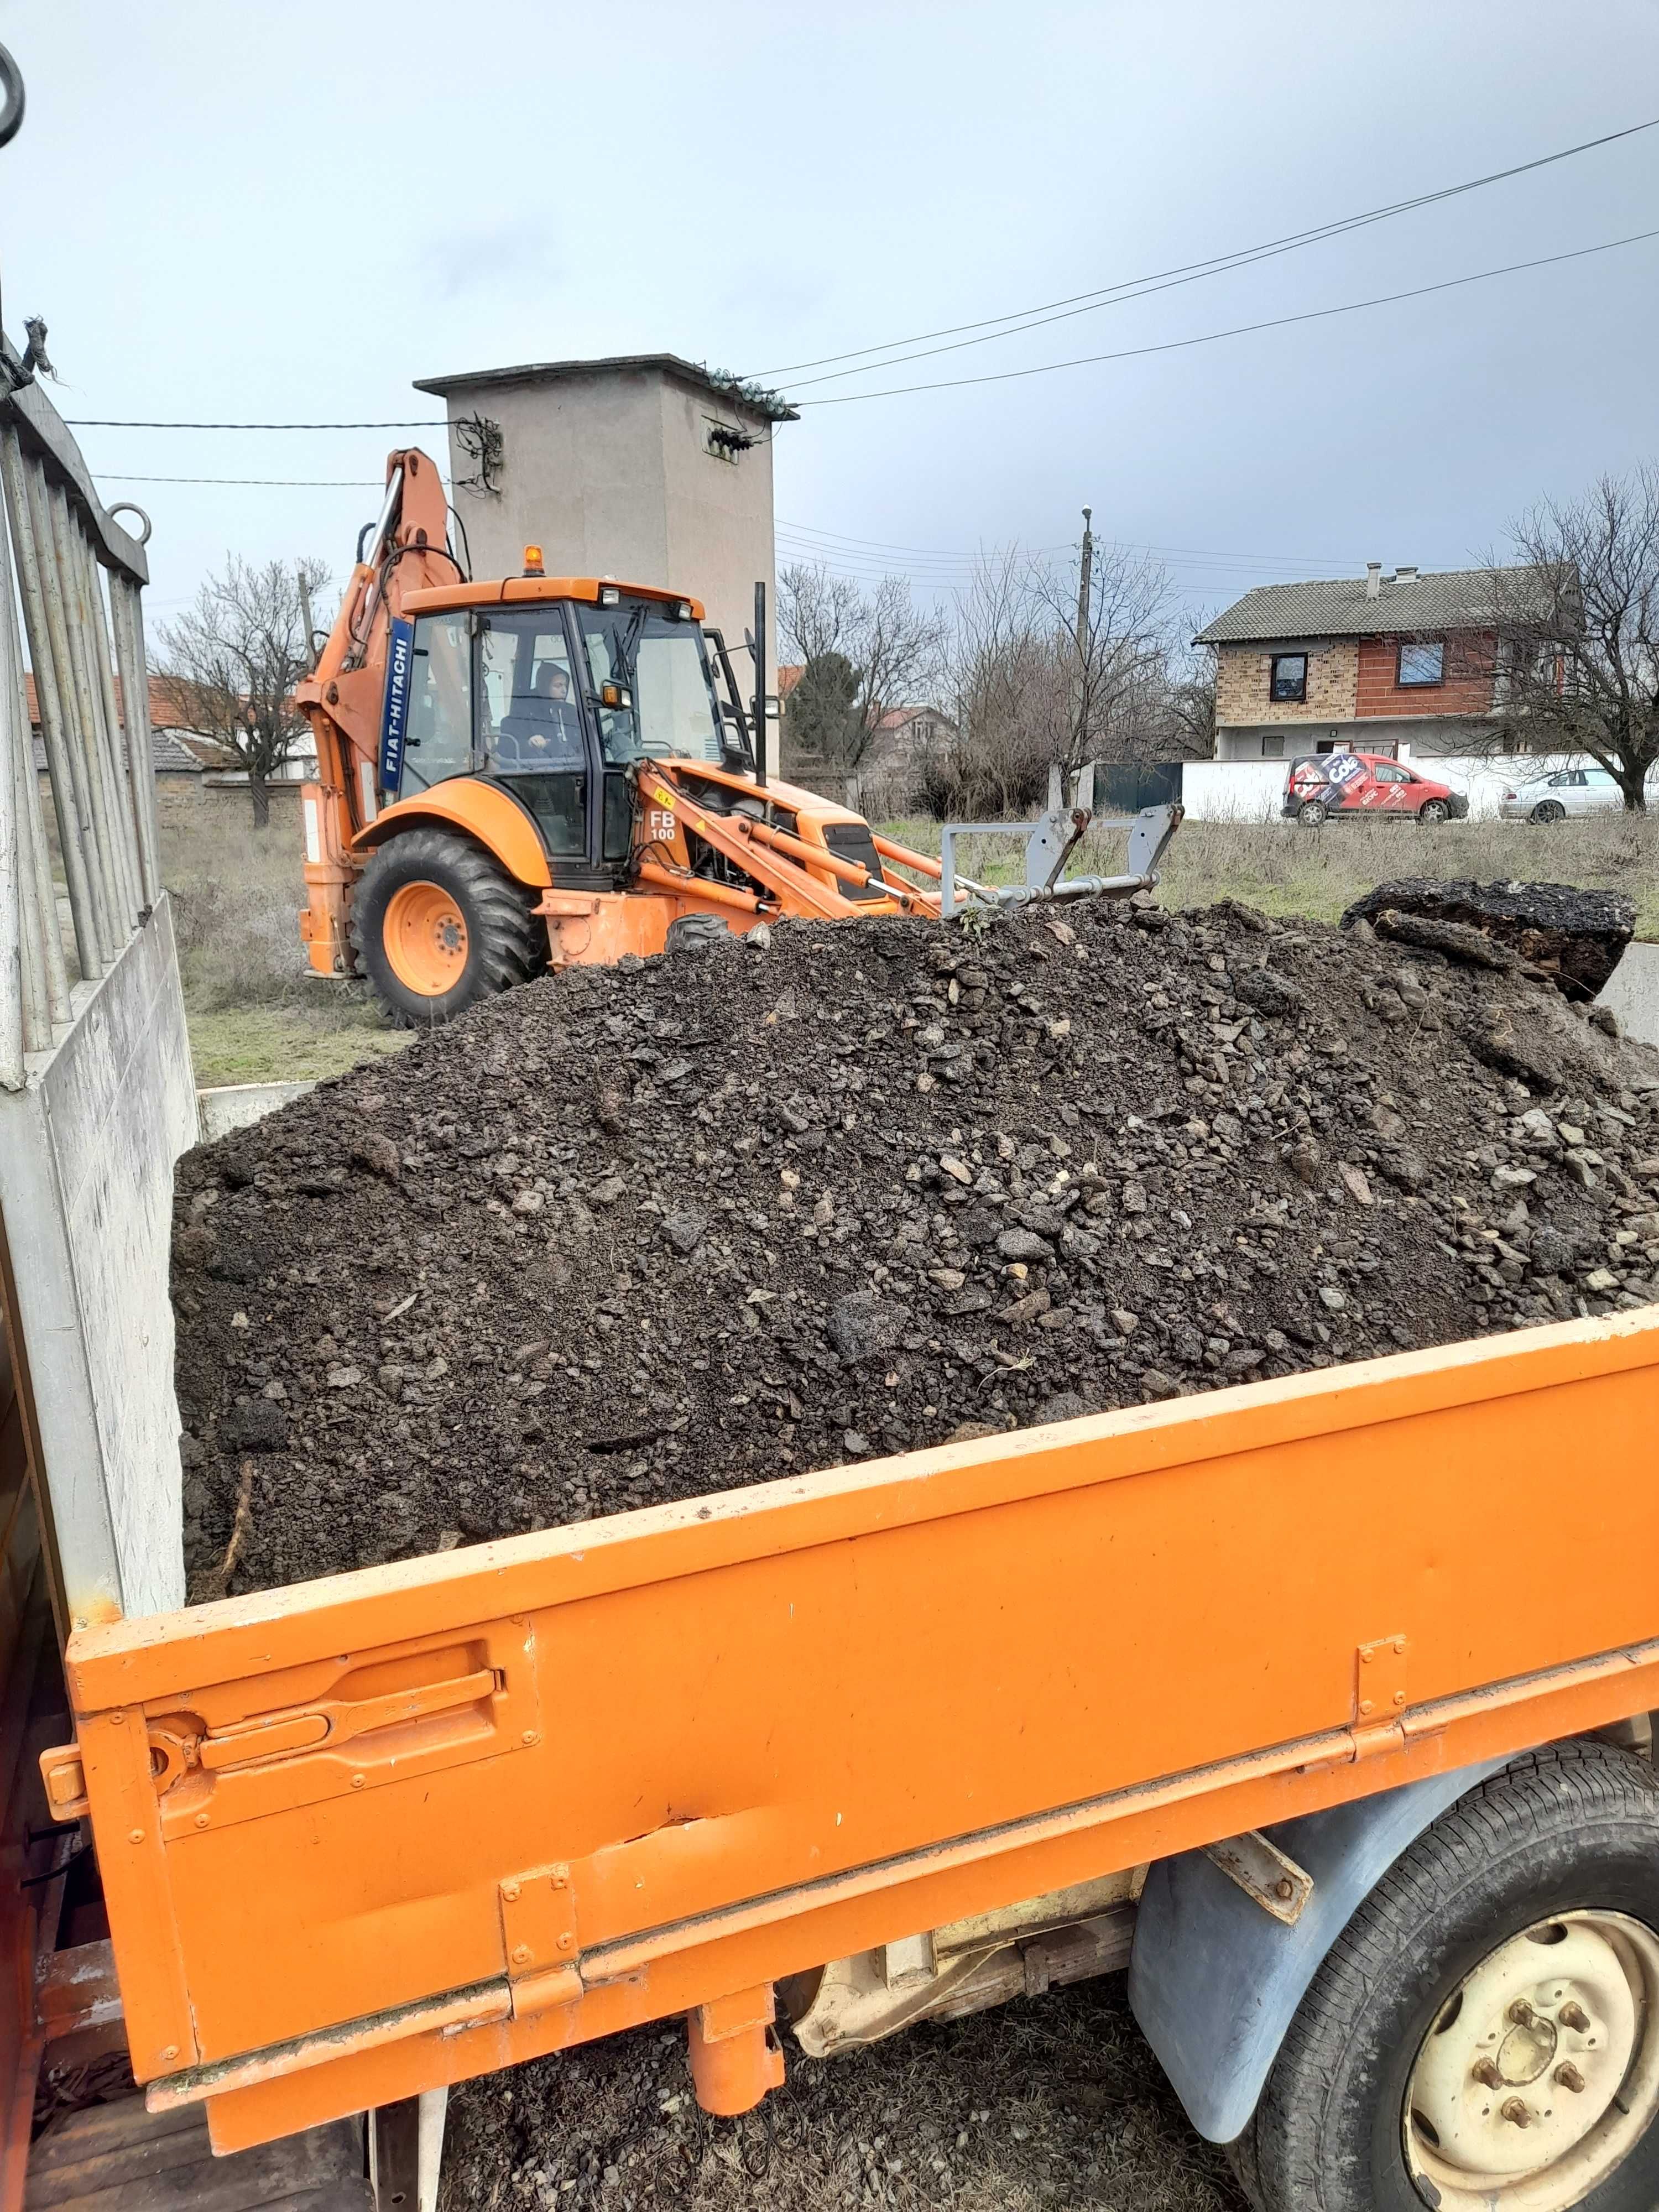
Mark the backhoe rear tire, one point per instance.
(438, 925)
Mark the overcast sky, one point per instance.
(253, 211)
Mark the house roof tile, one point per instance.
(1452, 599)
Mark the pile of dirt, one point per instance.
(638, 1235)
(1045, 2104)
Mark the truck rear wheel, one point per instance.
(437, 925)
(1484, 2036)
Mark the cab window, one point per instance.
(658, 663)
(529, 717)
(439, 739)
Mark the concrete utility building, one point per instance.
(642, 466)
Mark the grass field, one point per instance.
(255, 1016)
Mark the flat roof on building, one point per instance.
(733, 391)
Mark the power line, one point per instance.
(112, 423)
(1298, 561)
(1195, 271)
(1238, 330)
(309, 483)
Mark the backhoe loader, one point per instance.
(538, 771)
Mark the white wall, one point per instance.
(1234, 791)
(85, 1194)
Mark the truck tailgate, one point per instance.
(363, 1836)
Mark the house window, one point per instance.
(1422, 663)
(1289, 684)
(1273, 749)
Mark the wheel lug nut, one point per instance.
(1573, 2014)
(1487, 2074)
(1521, 2013)
(1513, 2108)
(1568, 2076)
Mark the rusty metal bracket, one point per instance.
(1265, 1873)
(1379, 1697)
(538, 1935)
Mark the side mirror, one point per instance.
(774, 706)
(616, 695)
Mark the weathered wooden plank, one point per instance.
(120, 2158)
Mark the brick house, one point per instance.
(1407, 661)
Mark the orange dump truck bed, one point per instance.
(367, 1836)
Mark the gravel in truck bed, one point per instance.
(627, 1237)
(636, 1235)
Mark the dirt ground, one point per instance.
(1052, 2104)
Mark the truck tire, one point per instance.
(1518, 1935)
(437, 925)
(1311, 813)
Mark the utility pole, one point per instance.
(1085, 653)
(1086, 574)
(305, 617)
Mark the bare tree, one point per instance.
(233, 659)
(893, 644)
(1003, 689)
(1578, 629)
(1109, 622)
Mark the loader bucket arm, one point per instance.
(406, 551)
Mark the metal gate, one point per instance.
(70, 585)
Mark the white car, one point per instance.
(1564, 791)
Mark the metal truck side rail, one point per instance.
(363, 1837)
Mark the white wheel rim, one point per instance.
(1541, 2070)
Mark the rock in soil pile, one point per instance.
(639, 1235)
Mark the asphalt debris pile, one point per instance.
(1558, 933)
(643, 1234)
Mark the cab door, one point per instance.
(531, 734)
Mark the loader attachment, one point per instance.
(364, 1836)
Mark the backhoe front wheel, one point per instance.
(1484, 2036)
(437, 925)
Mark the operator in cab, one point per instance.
(548, 726)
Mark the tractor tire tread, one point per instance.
(507, 951)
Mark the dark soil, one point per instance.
(1048, 2105)
(637, 1235)
(643, 1235)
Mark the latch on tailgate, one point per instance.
(417, 1707)
(335, 1720)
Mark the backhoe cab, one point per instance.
(540, 771)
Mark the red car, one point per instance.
(1321, 785)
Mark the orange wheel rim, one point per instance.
(425, 937)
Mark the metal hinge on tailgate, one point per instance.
(1379, 1697)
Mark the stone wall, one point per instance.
(1244, 680)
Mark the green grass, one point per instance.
(268, 1044)
(255, 1016)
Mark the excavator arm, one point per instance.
(407, 550)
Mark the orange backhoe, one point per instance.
(538, 771)
(542, 770)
